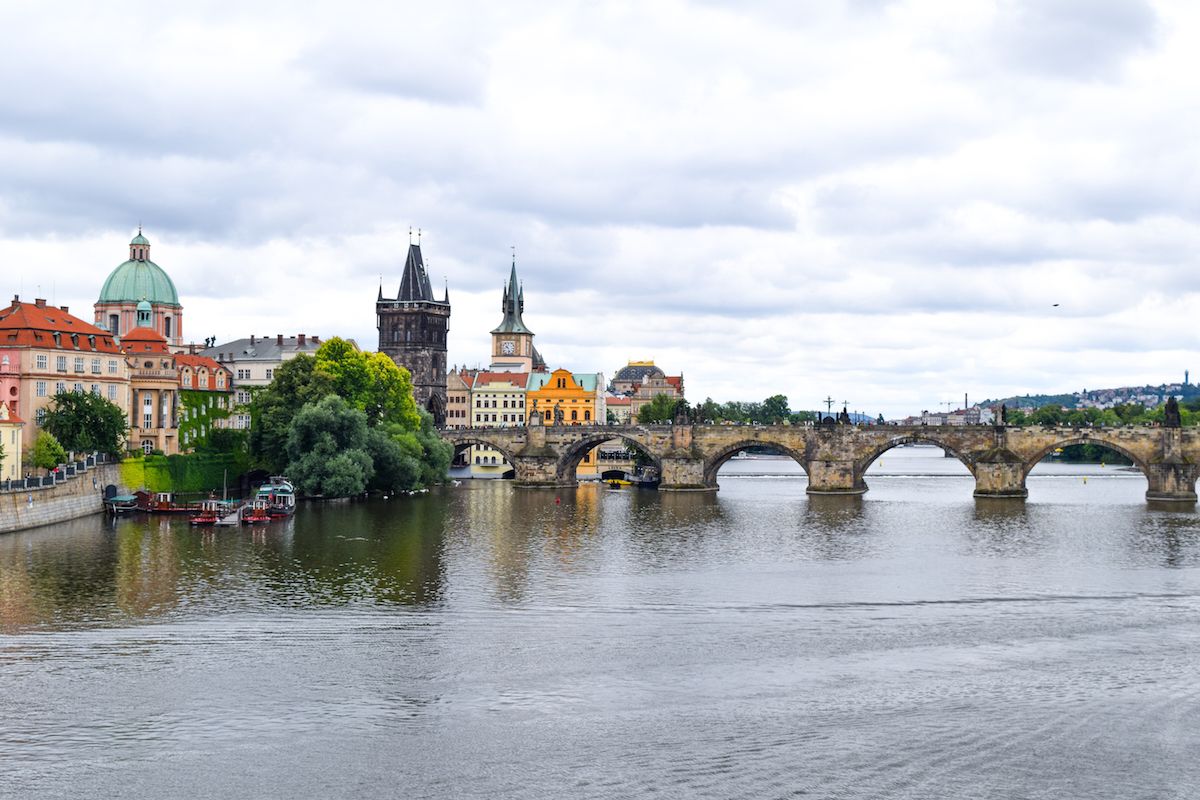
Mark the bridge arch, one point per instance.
(1100, 441)
(913, 438)
(717, 459)
(462, 442)
(568, 461)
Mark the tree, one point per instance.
(661, 408)
(775, 409)
(327, 449)
(297, 383)
(47, 452)
(84, 422)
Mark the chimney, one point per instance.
(252, 338)
(65, 310)
(300, 339)
(40, 302)
(16, 298)
(279, 339)
(316, 340)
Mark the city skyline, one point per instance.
(882, 201)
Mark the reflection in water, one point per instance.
(595, 643)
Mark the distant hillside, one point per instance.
(1147, 396)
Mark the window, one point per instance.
(40, 416)
(60, 387)
(96, 389)
(587, 415)
(112, 367)
(42, 361)
(187, 380)
(41, 388)
(79, 363)
(112, 393)
(60, 363)
(220, 380)
(574, 415)
(270, 374)
(243, 374)
(95, 366)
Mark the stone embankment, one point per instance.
(78, 495)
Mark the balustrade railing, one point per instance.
(60, 474)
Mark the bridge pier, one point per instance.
(684, 474)
(1000, 473)
(1171, 482)
(834, 477)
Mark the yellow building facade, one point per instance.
(10, 444)
(565, 398)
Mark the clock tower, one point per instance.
(512, 342)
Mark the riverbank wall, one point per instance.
(77, 496)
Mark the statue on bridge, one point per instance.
(1171, 418)
(844, 417)
(1003, 414)
(558, 414)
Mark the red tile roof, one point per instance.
(144, 340)
(197, 363)
(515, 378)
(34, 325)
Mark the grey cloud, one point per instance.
(1075, 39)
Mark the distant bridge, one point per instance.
(836, 457)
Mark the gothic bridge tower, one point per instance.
(412, 331)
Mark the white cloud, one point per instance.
(877, 200)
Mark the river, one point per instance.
(482, 641)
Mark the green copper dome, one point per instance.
(139, 280)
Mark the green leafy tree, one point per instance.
(327, 449)
(661, 408)
(47, 452)
(775, 409)
(297, 383)
(83, 422)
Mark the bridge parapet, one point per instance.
(836, 457)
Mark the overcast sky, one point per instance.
(878, 201)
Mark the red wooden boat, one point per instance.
(257, 513)
(210, 511)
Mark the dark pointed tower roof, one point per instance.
(512, 304)
(414, 286)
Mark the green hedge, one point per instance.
(194, 472)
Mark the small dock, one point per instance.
(234, 517)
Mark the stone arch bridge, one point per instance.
(836, 457)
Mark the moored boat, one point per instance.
(121, 504)
(257, 513)
(164, 503)
(210, 511)
(279, 496)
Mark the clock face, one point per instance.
(508, 347)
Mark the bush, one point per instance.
(47, 452)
